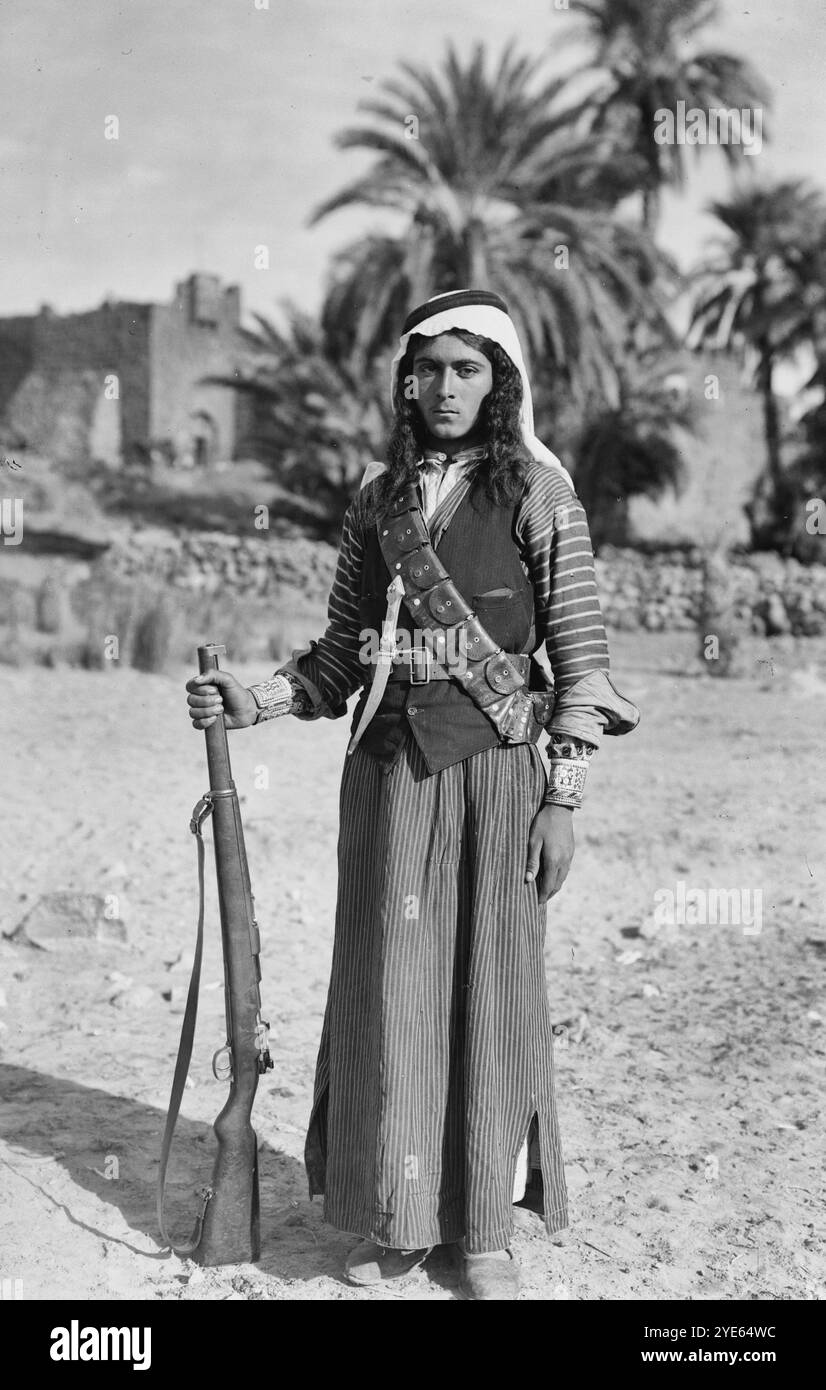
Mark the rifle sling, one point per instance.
(491, 678)
(199, 815)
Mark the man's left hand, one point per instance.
(550, 850)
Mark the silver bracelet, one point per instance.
(569, 760)
(273, 698)
(566, 782)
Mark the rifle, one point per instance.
(227, 1227)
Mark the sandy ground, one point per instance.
(691, 1063)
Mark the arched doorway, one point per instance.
(203, 437)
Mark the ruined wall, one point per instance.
(59, 406)
(53, 413)
(112, 339)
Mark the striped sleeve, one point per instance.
(330, 669)
(552, 532)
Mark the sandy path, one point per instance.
(690, 1077)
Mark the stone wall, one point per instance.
(664, 592)
(211, 562)
(658, 591)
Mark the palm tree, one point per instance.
(496, 188)
(645, 59)
(632, 449)
(317, 420)
(808, 469)
(806, 262)
(763, 291)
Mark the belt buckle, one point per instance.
(420, 656)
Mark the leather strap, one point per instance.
(402, 670)
(199, 815)
(492, 679)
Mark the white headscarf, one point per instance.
(488, 322)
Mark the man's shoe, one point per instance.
(375, 1264)
(493, 1276)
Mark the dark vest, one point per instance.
(480, 554)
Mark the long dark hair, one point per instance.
(504, 468)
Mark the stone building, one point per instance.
(126, 383)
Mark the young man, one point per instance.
(434, 1101)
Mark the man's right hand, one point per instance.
(215, 692)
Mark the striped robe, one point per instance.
(436, 1059)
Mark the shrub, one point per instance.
(152, 632)
(50, 608)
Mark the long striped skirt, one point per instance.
(436, 1058)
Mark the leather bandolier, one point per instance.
(490, 701)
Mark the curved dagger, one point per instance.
(387, 650)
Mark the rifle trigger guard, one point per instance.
(221, 1075)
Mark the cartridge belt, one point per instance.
(494, 679)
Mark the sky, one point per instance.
(226, 117)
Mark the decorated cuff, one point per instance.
(315, 704)
(569, 759)
(279, 695)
